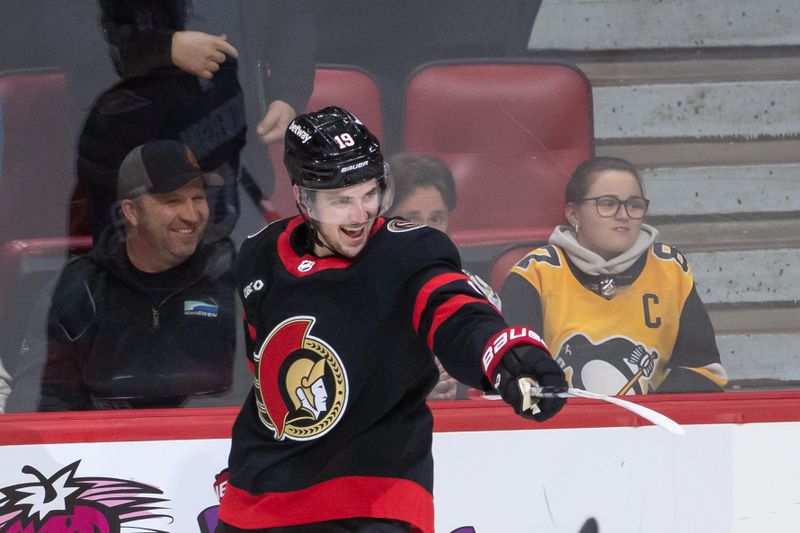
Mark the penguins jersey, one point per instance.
(653, 334)
(336, 425)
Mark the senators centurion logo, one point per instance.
(301, 386)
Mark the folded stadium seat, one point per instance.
(26, 268)
(35, 174)
(511, 132)
(350, 87)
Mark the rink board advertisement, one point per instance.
(494, 474)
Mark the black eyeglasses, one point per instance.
(608, 206)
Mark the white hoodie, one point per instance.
(589, 262)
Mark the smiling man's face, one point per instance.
(167, 227)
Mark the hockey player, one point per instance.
(343, 312)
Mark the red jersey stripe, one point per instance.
(308, 264)
(428, 289)
(447, 309)
(345, 497)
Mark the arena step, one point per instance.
(701, 95)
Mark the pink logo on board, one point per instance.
(61, 501)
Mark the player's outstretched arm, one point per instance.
(529, 361)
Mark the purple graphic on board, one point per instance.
(63, 502)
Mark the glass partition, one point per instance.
(503, 100)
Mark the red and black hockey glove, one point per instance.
(530, 361)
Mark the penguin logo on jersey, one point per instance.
(615, 366)
(300, 384)
(399, 225)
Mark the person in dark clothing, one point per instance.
(148, 320)
(344, 310)
(183, 79)
(425, 193)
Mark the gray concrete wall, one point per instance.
(747, 276)
(723, 189)
(749, 109)
(766, 356)
(629, 24)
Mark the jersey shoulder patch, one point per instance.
(543, 256)
(670, 254)
(398, 225)
(398, 238)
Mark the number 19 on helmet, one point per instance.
(337, 167)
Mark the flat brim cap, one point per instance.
(158, 167)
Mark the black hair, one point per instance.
(412, 171)
(581, 179)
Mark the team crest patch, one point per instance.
(198, 308)
(301, 387)
(399, 226)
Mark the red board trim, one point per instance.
(449, 416)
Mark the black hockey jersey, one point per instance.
(336, 425)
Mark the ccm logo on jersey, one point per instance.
(512, 335)
(256, 285)
(306, 265)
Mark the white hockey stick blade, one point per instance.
(532, 392)
(645, 412)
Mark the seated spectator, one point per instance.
(148, 320)
(618, 308)
(425, 193)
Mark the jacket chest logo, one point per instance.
(200, 308)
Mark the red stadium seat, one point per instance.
(35, 175)
(26, 267)
(511, 132)
(349, 87)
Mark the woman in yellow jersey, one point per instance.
(618, 307)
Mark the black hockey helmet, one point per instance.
(331, 149)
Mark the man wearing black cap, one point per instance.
(146, 320)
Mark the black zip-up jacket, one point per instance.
(120, 338)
